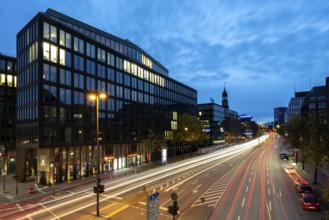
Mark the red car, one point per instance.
(309, 201)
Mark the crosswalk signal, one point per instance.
(175, 208)
(101, 188)
(95, 189)
(170, 209)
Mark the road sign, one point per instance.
(153, 206)
(154, 195)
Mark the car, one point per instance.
(309, 201)
(303, 188)
(283, 154)
(284, 157)
(289, 170)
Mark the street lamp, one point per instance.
(95, 97)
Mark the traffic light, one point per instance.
(95, 189)
(175, 208)
(101, 188)
(170, 209)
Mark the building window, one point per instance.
(65, 77)
(2, 80)
(2, 65)
(10, 80)
(90, 50)
(64, 58)
(49, 94)
(65, 39)
(78, 63)
(79, 45)
(90, 67)
(78, 98)
(49, 52)
(49, 73)
(9, 66)
(78, 80)
(110, 59)
(101, 55)
(65, 96)
(49, 32)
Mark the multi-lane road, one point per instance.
(241, 182)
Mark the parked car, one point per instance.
(303, 188)
(282, 155)
(309, 201)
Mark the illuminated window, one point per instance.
(46, 51)
(10, 80)
(65, 39)
(61, 56)
(2, 79)
(53, 53)
(53, 34)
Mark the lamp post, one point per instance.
(95, 97)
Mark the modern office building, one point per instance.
(222, 123)
(7, 113)
(295, 104)
(279, 115)
(315, 103)
(211, 116)
(60, 62)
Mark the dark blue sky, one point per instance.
(263, 51)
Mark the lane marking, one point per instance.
(243, 201)
(247, 188)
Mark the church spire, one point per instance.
(224, 98)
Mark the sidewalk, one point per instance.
(12, 191)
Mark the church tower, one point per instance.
(224, 99)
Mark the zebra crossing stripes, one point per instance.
(212, 196)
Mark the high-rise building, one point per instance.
(60, 62)
(7, 112)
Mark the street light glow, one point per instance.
(93, 96)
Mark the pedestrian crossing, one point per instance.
(212, 196)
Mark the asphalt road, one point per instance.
(262, 189)
(199, 182)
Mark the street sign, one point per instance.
(153, 206)
(154, 195)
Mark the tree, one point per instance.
(315, 142)
(294, 128)
(189, 130)
(156, 142)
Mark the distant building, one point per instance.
(222, 123)
(212, 118)
(315, 103)
(60, 62)
(295, 104)
(279, 115)
(246, 125)
(7, 113)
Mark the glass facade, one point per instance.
(60, 62)
(7, 112)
